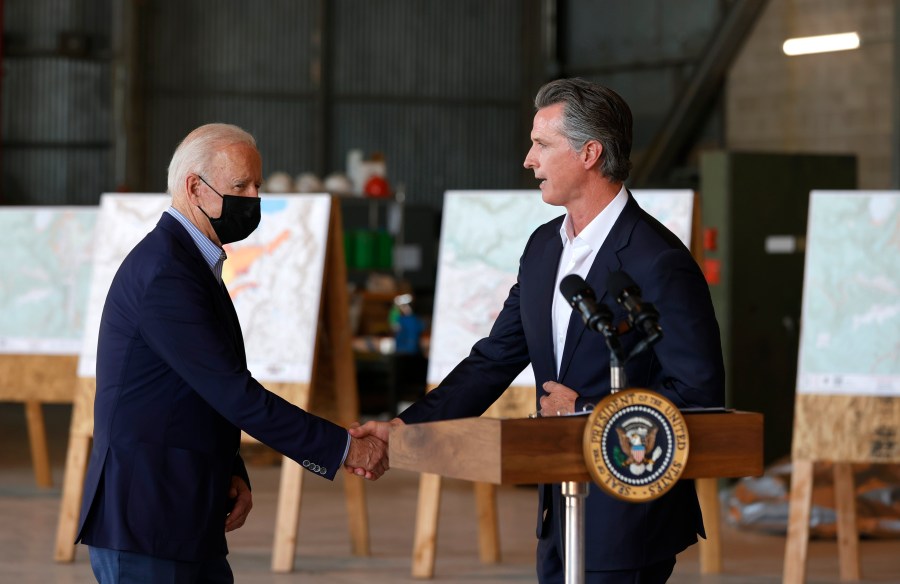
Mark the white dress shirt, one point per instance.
(577, 257)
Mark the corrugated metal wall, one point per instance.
(643, 50)
(56, 102)
(433, 86)
(230, 61)
(441, 89)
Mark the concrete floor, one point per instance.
(29, 516)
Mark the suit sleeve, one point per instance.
(179, 323)
(690, 352)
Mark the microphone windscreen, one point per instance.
(618, 282)
(574, 285)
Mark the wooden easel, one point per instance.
(837, 418)
(41, 369)
(35, 380)
(518, 402)
(841, 429)
(333, 375)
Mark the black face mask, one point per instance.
(239, 218)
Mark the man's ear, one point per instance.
(192, 188)
(590, 154)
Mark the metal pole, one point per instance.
(574, 494)
(617, 379)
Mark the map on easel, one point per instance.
(274, 277)
(46, 273)
(847, 407)
(483, 234)
(848, 377)
(46, 267)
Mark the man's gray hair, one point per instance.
(196, 151)
(593, 112)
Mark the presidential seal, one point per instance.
(635, 445)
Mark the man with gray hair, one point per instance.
(165, 480)
(581, 143)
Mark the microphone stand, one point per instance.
(617, 378)
(574, 493)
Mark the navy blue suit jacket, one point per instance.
(685, 366)
(173, 393)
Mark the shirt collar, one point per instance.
(212, 253)
(595, 232)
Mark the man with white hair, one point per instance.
(165, 480)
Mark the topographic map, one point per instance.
(483, 234)
(122, 222)
(274, 277)
(850, 334)
(46, 267)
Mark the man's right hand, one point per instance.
(368, 456)
(377, 431)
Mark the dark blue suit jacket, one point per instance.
(686, 366)
(173, 393)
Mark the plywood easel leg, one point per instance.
(37, 437)
(287, 516)
(488, 524)
(847, 532)
(357, 514)
(336, 305)
(425, 539)
(72, 491)
(81, 432)
(711, 547)
(796, 548)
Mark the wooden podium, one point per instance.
(549, 450)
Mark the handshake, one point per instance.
(368, 454)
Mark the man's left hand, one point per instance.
(560, 400)
(243, 502)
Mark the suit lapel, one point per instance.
(546, 287)
(222, 300)
(606, 261)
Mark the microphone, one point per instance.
(581, 297)
(642, 315)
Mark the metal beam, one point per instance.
(323, 45)
(128, 127)
(692, 106)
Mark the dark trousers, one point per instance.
(118, 567)
(551, 556)
(551, 565)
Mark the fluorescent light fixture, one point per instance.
(825, 43)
